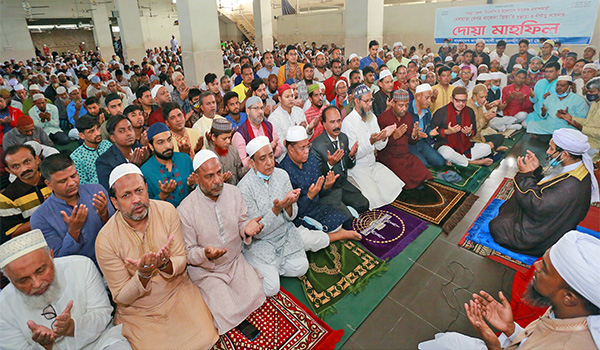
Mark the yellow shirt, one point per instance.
(443, 97)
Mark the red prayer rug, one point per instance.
(285, 324)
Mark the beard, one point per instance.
(214, 191)
(137, 217)
(166, 155)
(534, 298)
(364, 114)
(50, 296)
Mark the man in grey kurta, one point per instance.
(214, 224)
(277, 249)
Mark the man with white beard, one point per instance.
(53, 303)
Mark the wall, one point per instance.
(229, 30)
(409, 23)
(64, 40)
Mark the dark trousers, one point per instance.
(429, 156)
(59, 138)
(347, 195)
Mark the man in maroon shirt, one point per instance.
(161, 96)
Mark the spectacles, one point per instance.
(305, 148)
(367, 101)
(460, 101)
(49, 313)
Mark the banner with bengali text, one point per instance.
(567, 21)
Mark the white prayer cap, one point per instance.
(480, 41)
(36, 97)
(252, 100)
(296, 133)
(176, 75)
(256, 144)
(384, 73)
(415, 57)
(353, 55)
(202, 156)
(341, 81)
(319, 54)
(484, 77)
(496, 75)
(34, 87)
(422, 88)
(20, 246)
(575, 258)
(565, 78)
(19, 87)
(591, 47)
(517, 66)
(590, 66)
(121, 170)
(155, 89)
(575, 142)
(483, 65)
(448, 59)
(61, 90)
(73, 88)
(397, 44)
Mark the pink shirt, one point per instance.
(240, 144)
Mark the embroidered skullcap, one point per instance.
(296, 133)
(256, 144)
(154, 90)
(590, 66)
(465, 67)
(361, 90)
(36, 97)
(422, 88)
(312, 88)
(479, 88)
(21, 246)
(202, 156)
(565, 78)
(34, 87)
(448, 59)
(496, 75)
(290, 81)
(575, 258)
(156, 129)
(251, 101)
(411, 75)
(95, 79)
(221, 124)
(401, 95)
(24, 120)
(397, 44)
(283, 88)
(73, 88)
(484, 77)
(384, 73)
(575, 142)
(353, 55)
(339, 82)
(535, 58)
(175, 75)
(19, 87)
(111, 97)
(121, 170)
(61, 90)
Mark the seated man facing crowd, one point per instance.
(53, 303)
(277, 249)
(546, 205)
(456, 124)
(376, 182)
(396, 155)
(74, 214)
(565, 282)
(141, 253)
(215, 225)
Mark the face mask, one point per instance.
(477, 104)
(263, 176)
(533, 72)
(495, 88)
(593, 97)
(563, 94)
(423, 77)
(453, 75)
(554, 162)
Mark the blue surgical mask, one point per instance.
(533, 72)
(423, 77)
(563, 94)
(593, 97)
(554, 162)
(453, 75)
(263, 176)
(495, 87)
(477, 104)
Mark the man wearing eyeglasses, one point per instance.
(53, 303)
(456, 124)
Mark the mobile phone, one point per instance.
(248, 330)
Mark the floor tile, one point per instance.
(411, 285)
(378, 324)
(408, 333)
(438, 251)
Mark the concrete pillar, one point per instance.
(102, 31)
(200, 39)
(364, 22)
(15, 40)
(263, 25)
(130, 26)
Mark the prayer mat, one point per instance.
(284, 323)
(437, 203)
(335, 271)
(387, 231)
(353, 309)
(592, 220)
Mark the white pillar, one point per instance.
(200, 39)
(102, 31)
(130, 26)
(263, 25)
(15, 40)
(364, 22)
